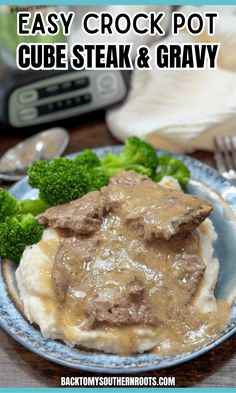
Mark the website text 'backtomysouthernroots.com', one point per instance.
(118, 381)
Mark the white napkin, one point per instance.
(185, 108)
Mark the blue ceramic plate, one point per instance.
(205, 182)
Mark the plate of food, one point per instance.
(119, 260)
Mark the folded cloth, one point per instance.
(184, 108)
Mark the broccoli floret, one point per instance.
(136, 155)
(63, 180)
(95, 173)
(97, 179)
(88, 158)
(171, 166)
(60, 181)
(10, 206)
(16, 233)
(17, 229)
(36, 172)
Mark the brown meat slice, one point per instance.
(153, 211)
(115, 307)
(82, 216)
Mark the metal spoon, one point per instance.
(44, 145)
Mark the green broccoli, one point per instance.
(18, 229)
(97, 179)
(95, 173)
(59, 181)
(10, 206)
(36, 172)
(171, 166)
(88, 158)
(63, 180)
(16, 233)
(136, 155)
